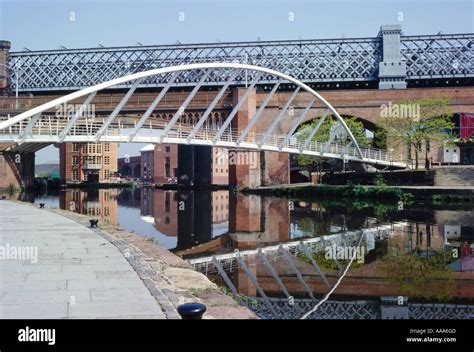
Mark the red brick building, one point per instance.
(159, 164)
(88, 162)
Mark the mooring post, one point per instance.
(191, 311)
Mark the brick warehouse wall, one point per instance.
(147, 166)
(162, 152)
(220, 166)
(17, 169)
(68, 153)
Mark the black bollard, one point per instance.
(191, 311)
(94, 222)
(41, 205)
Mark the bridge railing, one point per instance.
(52, 126)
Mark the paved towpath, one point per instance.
(78, 274)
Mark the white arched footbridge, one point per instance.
(43, 125)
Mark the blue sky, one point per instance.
(46, 24)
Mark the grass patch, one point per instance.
(353, 192)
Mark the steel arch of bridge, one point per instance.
(35, 126)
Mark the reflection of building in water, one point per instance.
(146, 201)
(220, 206)
(220, 212)
(457, 229)
(165, 211)
(255, 221)
(100, 203)
(439, 230)
(423, 237)
(193, 216)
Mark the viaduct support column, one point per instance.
(275, 168)
(17, 170)
(250, 168)
(244, 165)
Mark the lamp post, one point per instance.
(391, 159)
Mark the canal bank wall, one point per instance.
(435, 194)
(441, 176)
(169, 279)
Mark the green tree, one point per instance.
(380, 138)
(429, 121)
(315, 163)
(416, 274)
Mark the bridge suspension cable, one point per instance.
(338, 282)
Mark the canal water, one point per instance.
(281, 257)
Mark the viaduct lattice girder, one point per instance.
(389, 58)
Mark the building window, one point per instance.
(107, 147)
(75, 175)
(167, 202)
(107, 160)
(167, 166)
(167, 149)
(75, 147)
(75, 160)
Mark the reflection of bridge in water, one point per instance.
(304, 246)
(363, 309)
(245, 262)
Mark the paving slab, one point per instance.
(74, 273)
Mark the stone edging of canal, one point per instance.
(169, 279)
